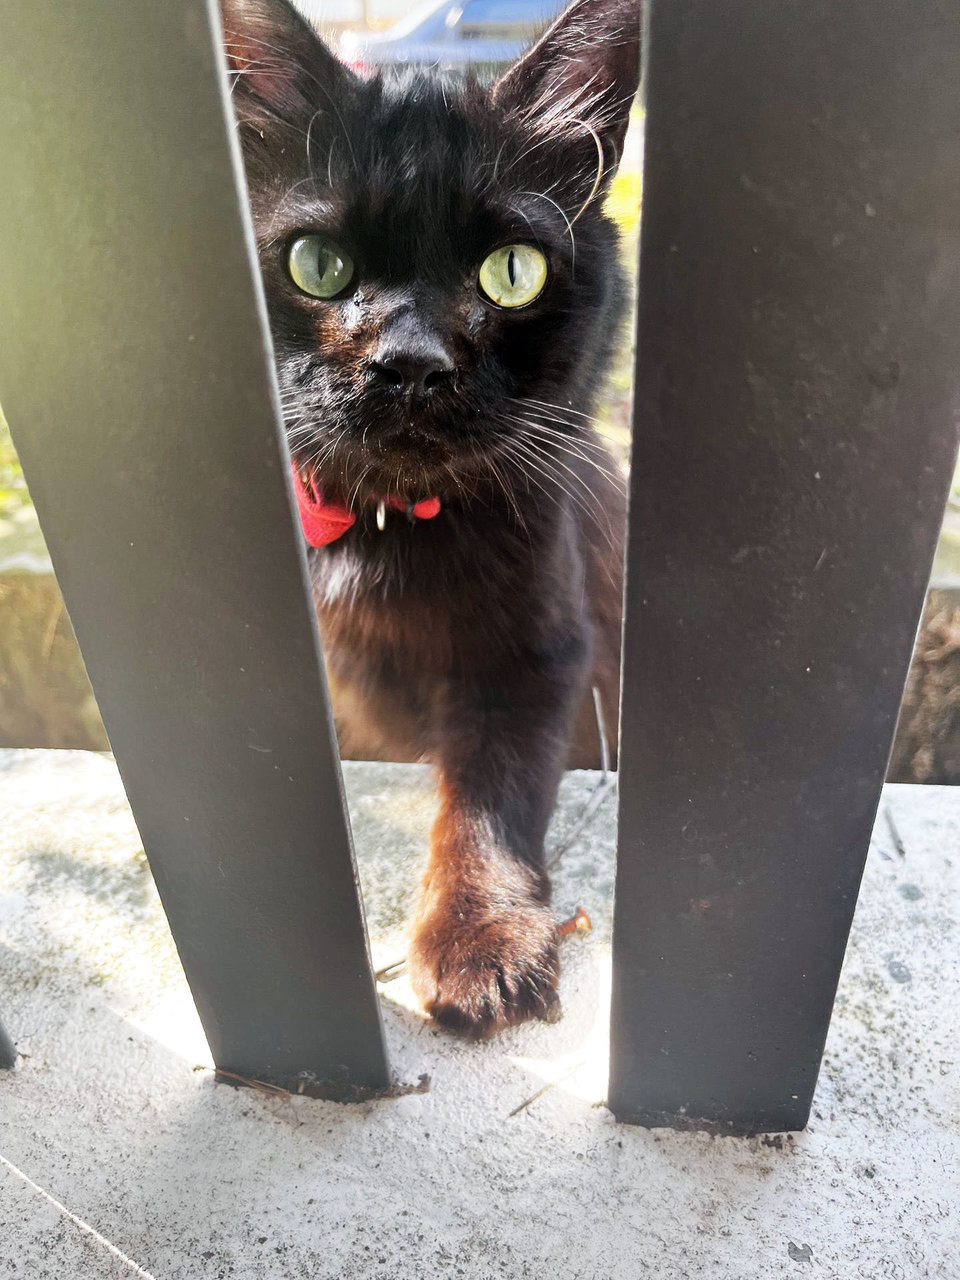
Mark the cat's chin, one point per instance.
(407, 464)
(374, 480)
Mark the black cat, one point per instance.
(444, 289)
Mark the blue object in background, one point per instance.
(454, 34)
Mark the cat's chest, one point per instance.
(426, 606)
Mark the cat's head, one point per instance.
(442, 282)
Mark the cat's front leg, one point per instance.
(484, 949)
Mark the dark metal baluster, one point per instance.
(135, 375)
(796, 410)
(8, 1052)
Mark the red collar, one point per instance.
(324, 522)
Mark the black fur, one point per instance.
(471, 639)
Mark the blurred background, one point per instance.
(45, 699)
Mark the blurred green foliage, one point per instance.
(13, 488)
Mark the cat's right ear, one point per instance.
(580, 76)
(277, 61)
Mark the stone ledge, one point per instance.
(510, 1166)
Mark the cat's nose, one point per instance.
(416, 369)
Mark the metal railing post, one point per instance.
(135, 374)
(8, 1051)
(796, 418)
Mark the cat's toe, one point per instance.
(477, 977)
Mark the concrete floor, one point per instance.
(112, 1114)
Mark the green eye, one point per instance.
(319, 266)
(514, 275)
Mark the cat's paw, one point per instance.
(478, 975)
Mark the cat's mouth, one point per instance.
(377, 472)
(389, 457)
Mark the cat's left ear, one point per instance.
(583, 73)
(278, 60)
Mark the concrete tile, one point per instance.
(190, 1179)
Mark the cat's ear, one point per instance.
(582, 74)
(277, 59)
